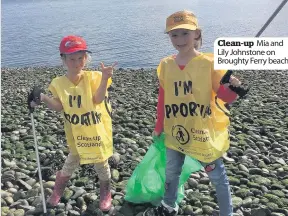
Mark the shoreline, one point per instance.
(5, 69)
(60, 66)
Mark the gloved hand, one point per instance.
(239, 90)
(34, 96)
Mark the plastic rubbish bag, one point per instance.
(147, 183)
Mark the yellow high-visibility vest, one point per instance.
(195, 123)
(88, 127)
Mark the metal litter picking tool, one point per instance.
(241, 91)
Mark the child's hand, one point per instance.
(107, 72)
(38, 102)
(35, 97)
(233, 81)
(34, 104)
(155, 134)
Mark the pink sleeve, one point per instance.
(160, 111)
(226, 94)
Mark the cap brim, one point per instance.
(75, 51)
(182, 26)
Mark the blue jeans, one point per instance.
(217, 175)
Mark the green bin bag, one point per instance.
(147, 183)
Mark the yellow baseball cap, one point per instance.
(181, 20)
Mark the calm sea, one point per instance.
(127, 31)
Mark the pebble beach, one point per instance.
(259, 147)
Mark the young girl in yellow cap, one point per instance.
(191, 113)
(81, 96)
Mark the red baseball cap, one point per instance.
(71, 44)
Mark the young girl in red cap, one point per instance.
(191, 113)
(82, 98)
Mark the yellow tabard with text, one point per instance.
(195, 122)
(88, 127)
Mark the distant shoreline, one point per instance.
(61, 67)
(5, 69)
